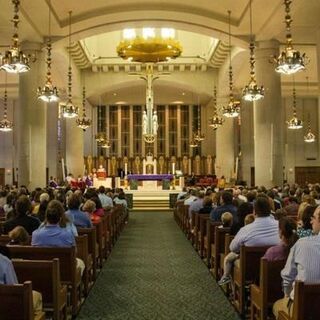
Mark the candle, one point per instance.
(125, 169)
(173, 168)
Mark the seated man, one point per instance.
(226, 206)
(23, 218)
(52, 234)
(263, 231)
(8, 276)
(75, 215)
(302, 264)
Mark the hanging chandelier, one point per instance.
(106, 144)
(193, 143)
(14, 60)
(68, 109)
(232, 110)
(149, 45)
(48, 93)
(309, 136)
(100, 137)
(294, 123)
(290, 60)
(5, 124)
(198, 136)
(84, 122)
(216, 121)
(252, 91)
(102, 140)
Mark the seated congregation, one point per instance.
(262, 246)
(53, 243)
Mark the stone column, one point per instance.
(74, 145)
(31, 124)
(224, 165)
(268, 120)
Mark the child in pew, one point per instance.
(8, 276)
(231, 257)
(226, 219)
(19, 236)
(288, 235)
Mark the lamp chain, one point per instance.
(288, 21)
(84, 102)
(5, 100)
(70, 68)
(251, 47)
(294, 102)
(215, 101)
(49, 48)
(15, 21)
(230, 66)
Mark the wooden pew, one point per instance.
(218, 248)
(227, 240)
(45, 277)
(16, 302)
(83, 254)
(269, 289)
(69, 273)
(101, 241)
(306, 304)
(246, 272)
(92, 247)
(209, 239)
(202, 233)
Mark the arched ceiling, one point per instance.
(200, 22)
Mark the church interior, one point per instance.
(189, 90)
(169, 127)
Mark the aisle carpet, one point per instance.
(153, 273)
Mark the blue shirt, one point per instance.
(79, 218)
(217, 212)
(52, 235)
(7, 273)
(263, 231)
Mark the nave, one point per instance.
(154, 273)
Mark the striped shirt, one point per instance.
(302, 264)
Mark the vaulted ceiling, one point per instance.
(202, 28)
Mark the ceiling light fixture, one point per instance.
(290, 60)
(252, 91)
(5, 124)
(48, 93)
(84, 122)
(309, 136)
(14, 60)
(216, 121)
(232, 110)
(68, 109)
(294, 123)
(149, 45)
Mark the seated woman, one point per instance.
(90, 207)
(99, 211)
(288, 236)
(305, 228)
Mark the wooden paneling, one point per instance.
(307, 175)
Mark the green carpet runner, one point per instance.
(154, 273)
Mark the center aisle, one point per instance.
(154, 273)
